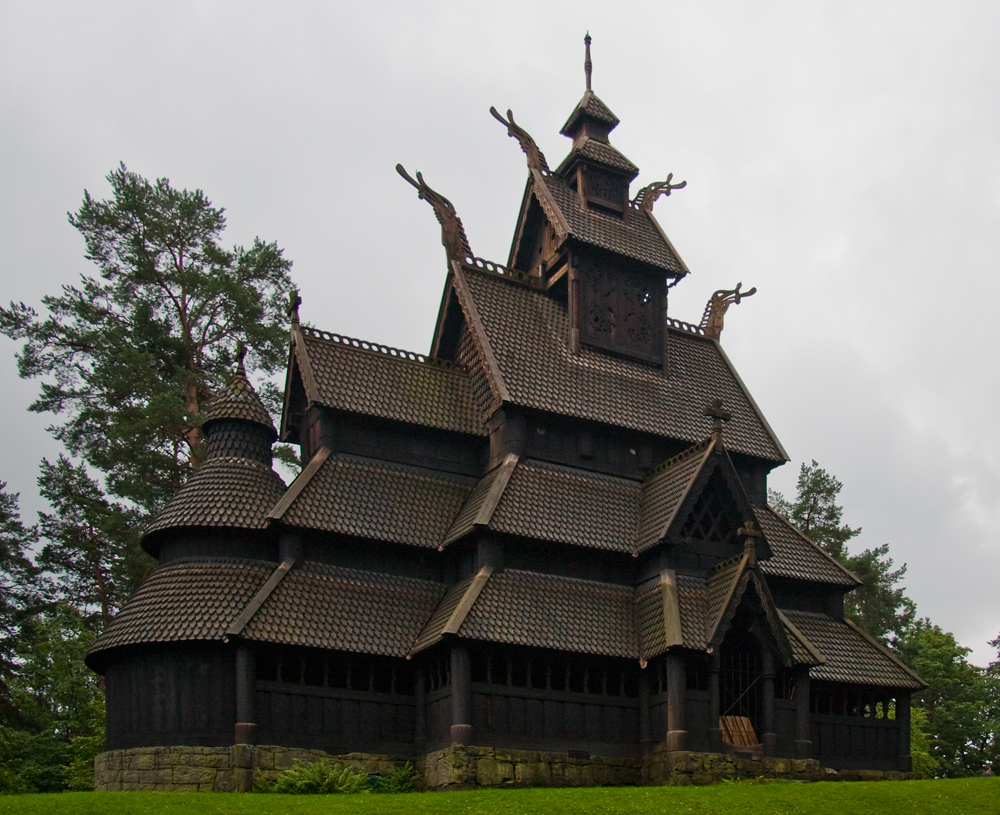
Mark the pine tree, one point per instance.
(19, 595)
(129, 357)
(879, 605)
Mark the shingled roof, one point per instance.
(374, 380)
(195, 600)
(370, 498)
(322, 606)
(238, 400)
(527, 333)
(851, 655)
(226, 491)
(544, 611)
(796, 556)
(590, 105)
(638, 236)
(566, 504)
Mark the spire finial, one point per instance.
(294, 301)
(588, 66)
(241, 352)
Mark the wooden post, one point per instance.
(715, 705)
(769, 737)
(420, 711)
(803, 744)
(574, 306)
(903, 725)
(645, 725)
(677, 736)
(461, 696)
(246, 697)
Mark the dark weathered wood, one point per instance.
(461, 696)
(803, 743)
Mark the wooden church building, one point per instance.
(548, 533)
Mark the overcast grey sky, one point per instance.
(843, 157)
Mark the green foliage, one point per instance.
(815, 511)
(879, 605)
(920, 745)
(129, 357)
(402, 779)
(92, 544)
(961, 718)
(320, 778)
(62, 702)
(967, 796)
(18, 595)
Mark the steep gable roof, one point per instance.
(526, 334)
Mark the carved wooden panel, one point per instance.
(620, 309)
(606, 189)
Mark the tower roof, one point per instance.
(238, 400)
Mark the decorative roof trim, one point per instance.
(549, 205)
(684, 455)
(489, 506)
(885, 651)
(672, 631)
(812, 649)
(680, 459)
(688, 328)
(467, 602)
(241, 622)
(305, 366)
(467, 302)
(300, 483)
(384, 350)
(747, 570)
(753, 403)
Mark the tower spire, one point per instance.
(588, 66)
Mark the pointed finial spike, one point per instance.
(241, 352)
(588, 66)
(294, 301)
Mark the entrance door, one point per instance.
(739, 674)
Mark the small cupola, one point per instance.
(236, 423)
(232, 491)
(594, 168)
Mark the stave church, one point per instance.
(539, 553)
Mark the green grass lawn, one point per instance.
(969, 796)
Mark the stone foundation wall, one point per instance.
(233, 769)
(215, 769)
(463, 767)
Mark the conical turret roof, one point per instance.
(238, 400)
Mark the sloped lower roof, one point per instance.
(542, 611)
(556, 503)
(796, 556)
(527, 332)
(545, 611)
(195, 600)
(851, 656)
(225, 491)
(373, 380)
(333, 607)
(369, 498)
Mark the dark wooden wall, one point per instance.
(854, 727)
(171, 696)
